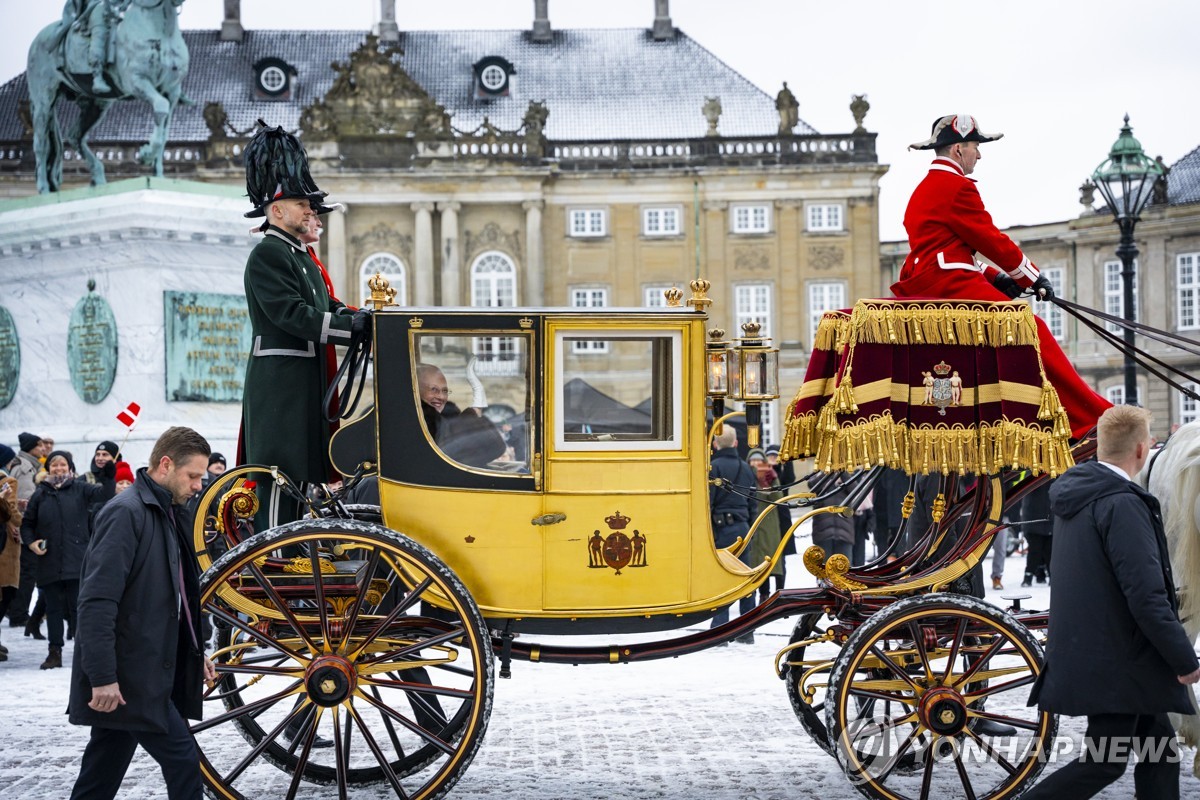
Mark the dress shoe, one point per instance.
(1028, 580)
(987, 727)
(18, 622)
(745, 638)
(996, 584)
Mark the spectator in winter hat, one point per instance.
(124, 476)
(106, 454)
(216, 464)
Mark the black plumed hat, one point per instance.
(953, 129)
(277, 169)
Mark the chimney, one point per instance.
(663, 29)
(387, 30)
(231, 27)
(541, 22)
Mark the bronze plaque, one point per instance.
(208, 341)
(92, 348)
(10, 358)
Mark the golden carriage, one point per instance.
(357, 645)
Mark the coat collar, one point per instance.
(946, 165)
(150, 493)
(292, 241)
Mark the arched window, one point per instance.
(493, 281)
(494, 285)
(389, 267)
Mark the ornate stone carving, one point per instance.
(492, 238)
(372, 95)
(825, 257)
(789, 110)
(217, 121)
(751, 259)
(712, 113)
(25, 116)
(535, 125)
(859, 108)
(381, 237)
(1087, 194)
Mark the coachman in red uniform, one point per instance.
(947, 225)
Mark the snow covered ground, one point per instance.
(716, 725)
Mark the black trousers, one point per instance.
(109, 752)
(1037, 557)
(18, 611)
(61, 599)
(1114, 738)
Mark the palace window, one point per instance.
(1187, 290)
(589, 298)
(825, 217)
(1116, 394)
(751, 218)
(822, 297)
(1189, 407)
(661, 221)
(494, 285)
(751, 303)
(390, 267)
(587, 222)
(1051, 314)
(1114, 293)
(655, 296)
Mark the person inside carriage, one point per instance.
(948, 225)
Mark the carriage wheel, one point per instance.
(809, 710)
(908, 690)
(368, 664)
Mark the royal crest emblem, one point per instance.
(943, 387)
(617, 550)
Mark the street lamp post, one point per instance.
(1126, 180)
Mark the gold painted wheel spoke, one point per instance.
(859, 689)
(962, 771)
(436, 741)
(258, 705)
(992, 752)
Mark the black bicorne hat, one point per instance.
(277, 169)
(954, 129)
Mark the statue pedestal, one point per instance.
(165, 255)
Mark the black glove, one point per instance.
(1007, 285)
(360, 322)
(109, 471)
(1042, 289)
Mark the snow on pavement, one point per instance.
(714, 725)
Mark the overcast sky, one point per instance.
(1055, 77)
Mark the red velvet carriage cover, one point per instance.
(929, 386)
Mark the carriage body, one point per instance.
(597, 512)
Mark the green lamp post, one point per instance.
(1126, 180)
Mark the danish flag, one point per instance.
(129, 416)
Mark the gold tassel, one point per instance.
(939, 508)
(906, 507)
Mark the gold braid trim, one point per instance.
(991, 324)
(983, 450)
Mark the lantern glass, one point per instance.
(718, 372)
(756, 376)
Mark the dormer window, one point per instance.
(273, 78)
(493, 77)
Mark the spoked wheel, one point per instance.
(911, 688)
(349, 655)
(806, 678)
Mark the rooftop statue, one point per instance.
(100, 52)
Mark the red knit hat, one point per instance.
(124, 472)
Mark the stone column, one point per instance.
(231, 27)
(423, 269)
(535, 271)
(387, 30)
(451, 291)
(344, 286)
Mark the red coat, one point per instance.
(947, 225)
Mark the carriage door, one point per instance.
(616, 467)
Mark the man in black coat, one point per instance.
(732, 511)
(140, 587)
(1117, 652)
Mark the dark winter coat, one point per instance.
(1116, 645)
(61, 517)
(833, 527)
(292, 317)
(1035, 507)
(732, 511)
(465, 437)
(888, 498)
(130, 628)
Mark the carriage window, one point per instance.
(626, 398)
(478, 417)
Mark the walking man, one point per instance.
(140, 587)
(1117, 652)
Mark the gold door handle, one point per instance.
(549, 519)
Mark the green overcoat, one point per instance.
(292, 320)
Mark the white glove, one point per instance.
(478, 395)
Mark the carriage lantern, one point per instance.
(1126, 180)
(716, 369)
(753, 376)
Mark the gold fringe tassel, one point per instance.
(993, 325)
(881, 440)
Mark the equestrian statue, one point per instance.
(100, 52)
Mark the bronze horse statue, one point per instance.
(149, 62)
